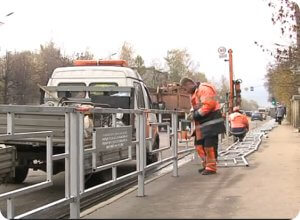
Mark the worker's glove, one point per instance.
(197, 116)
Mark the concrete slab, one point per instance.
(268, 188)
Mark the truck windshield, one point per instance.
(113, 99)
(71, 94)
(104, 93)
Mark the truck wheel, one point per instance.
(152, 158)
(20, 174)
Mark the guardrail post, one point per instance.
(175, 144)
(10, 122)
(141, 152)
(67, 151)
(10, 208)
(81, 151)
(74, 166)
(49, 158)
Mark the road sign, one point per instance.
(221, 50)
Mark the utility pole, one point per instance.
(230, 81)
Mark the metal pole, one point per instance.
(114, 173)
(175, 144)
(49, 161)
(94, 154)
(142, 154)
(227, 118)
(227, 128)
(113, 120)
(137, 146)
(67, 151)
(81, 151)
(74, 166)
(180, 129)
(10, 122)
(10, 208)
(159, 117)
(230, 81)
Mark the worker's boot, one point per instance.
(208, 172)
(201, 170)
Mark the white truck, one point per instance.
(88, 83)
(264, 112)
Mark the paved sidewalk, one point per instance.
(268, 188)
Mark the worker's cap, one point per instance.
(236, 108)
(185, 80)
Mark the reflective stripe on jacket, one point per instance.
(204, 101)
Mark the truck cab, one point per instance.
(102, 74)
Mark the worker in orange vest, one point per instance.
(205, 113)
(239, 124)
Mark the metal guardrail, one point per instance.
(75, 152)
(10, 196)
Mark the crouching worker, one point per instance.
(208, 121)
(239, 124)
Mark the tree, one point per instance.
(154, 77)
(249, 105)
(49, 58)
(282, 82)
(127, 53)
(86, 55)
(17, 73)
(5, 77)
(140, 65)
(198, 76)
(222, 87)
(20, 73)
(178, 62)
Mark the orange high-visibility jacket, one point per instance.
(238, 120)
(204, 100)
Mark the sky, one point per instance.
(152, 27)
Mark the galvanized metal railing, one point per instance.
(75, 152)
(12, 135)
